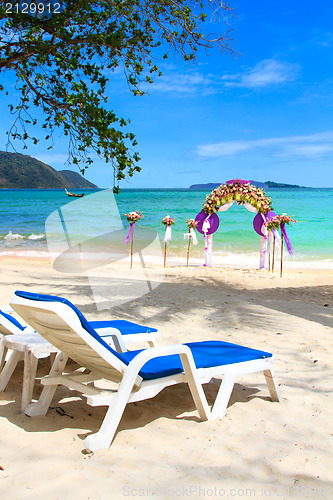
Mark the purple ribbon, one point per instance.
(286, 239)
(130, 233)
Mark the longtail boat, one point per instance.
(73, 194)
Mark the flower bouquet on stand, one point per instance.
(191, 224)
(167, 221)
(132, 218)
(274, 224)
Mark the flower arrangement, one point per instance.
(276, 221)
(133, 216)
(242, 192)
(168, 221)
(192, 223)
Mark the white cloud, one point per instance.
(324, 39)
(265, 73)
(305, 146)
(188, 83)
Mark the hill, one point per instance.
(19, 171)
(75, 180)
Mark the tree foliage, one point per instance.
(64, 62)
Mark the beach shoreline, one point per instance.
(227, 260)
(29, 224)
(161, 448)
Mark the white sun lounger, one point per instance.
(23, 343)
(122, 332)
(139, 374)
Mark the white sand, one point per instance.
(161, 450)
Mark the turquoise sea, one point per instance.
(23, 215)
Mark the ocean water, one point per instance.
(23, 215)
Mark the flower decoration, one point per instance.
(279, 222)
(276, 221)
(242, 192)
(168, 221)
(133, 216)
(192, 223)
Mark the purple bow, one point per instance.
(130, 233)
(286, 239)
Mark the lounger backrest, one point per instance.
(9, 325)
(64, 326)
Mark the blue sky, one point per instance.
(264, 115)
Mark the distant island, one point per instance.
(262, 185)
(279, 185)
(18, 171)
(211, 185)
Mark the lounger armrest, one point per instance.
(154, 352)
(104, 331)
(115, 338)
(107, 330)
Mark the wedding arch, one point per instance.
(253, 199)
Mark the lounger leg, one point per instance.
(223, 395)
(3, 352)
(103, 438)
(42, 405)
(9, 368)
(29, 377)
(52, 358)
(196, 388)
(272, 385)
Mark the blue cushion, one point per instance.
(125, 327)
(206, 354)
(12, 320)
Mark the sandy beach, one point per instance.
(162, 450)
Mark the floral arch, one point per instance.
(243, 192)
(253, 199)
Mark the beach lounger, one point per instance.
(140, 374)
(24, 343)
(121, 331)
